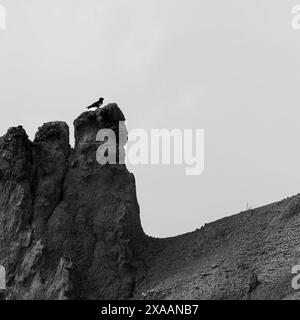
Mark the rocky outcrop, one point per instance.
(70, 229)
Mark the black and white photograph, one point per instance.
(149, 153)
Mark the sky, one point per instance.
(229, 67)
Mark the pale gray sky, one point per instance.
(229, 67)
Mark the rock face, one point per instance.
(70, 229)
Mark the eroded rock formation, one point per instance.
(70, 229)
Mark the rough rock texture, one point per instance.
(70, 229)
(246, 256)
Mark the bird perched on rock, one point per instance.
(96, 104)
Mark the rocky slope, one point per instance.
(70, 229)
(246, 256)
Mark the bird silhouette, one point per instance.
(96, 104)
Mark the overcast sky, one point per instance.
(229, 67)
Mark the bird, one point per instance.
(96, 104)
